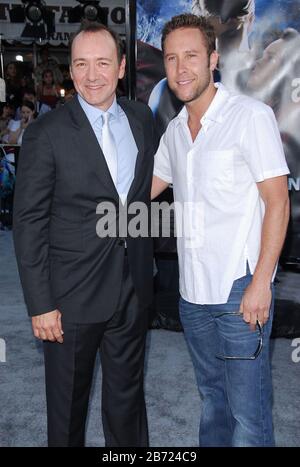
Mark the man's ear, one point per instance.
(213, 60)
(122, 67)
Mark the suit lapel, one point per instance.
(89, 146)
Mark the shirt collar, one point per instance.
(214, 112)
(93, 113)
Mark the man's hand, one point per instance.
(48, 326)
(256, 303)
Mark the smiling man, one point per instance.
(224, 156)
(83, 292)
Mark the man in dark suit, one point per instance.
(86, 292)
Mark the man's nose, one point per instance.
(181, 65)
(92, 73)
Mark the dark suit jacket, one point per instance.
(62, 176)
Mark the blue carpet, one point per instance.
(172, 399)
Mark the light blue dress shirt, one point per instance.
(126, 146)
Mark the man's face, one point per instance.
(95, 68)
(187, 65)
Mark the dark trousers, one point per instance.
(69, 372)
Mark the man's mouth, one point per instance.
(184, 82)
(95, 88)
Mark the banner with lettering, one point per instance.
(114, 11)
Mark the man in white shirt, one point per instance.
(224, 156)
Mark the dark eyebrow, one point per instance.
(186, 52)
(84, 59)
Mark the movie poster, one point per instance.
(259, 46)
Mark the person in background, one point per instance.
(48, 62)
(13, 84)
(40, 108)
(27, 81)
(17, 127)
(7, 114)
(48, 91)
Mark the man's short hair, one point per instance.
(93, 27)
(188, 20)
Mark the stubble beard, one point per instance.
(202, 87)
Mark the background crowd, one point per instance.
(32, 92)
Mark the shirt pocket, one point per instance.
(217, 169)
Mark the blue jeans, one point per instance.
(237, 394)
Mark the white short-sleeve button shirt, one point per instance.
(219, 211)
